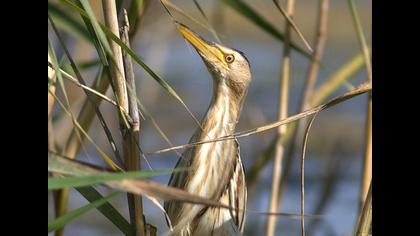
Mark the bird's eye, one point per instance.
(229, 58)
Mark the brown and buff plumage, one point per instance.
(215, 169)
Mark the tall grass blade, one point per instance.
(95, 24)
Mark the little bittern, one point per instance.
(215, 169)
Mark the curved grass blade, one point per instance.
(101, 45)
(65, 219)
(95, 24)
(245, 10)
(302, 175)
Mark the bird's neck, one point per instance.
(210, 158)
(223, 112)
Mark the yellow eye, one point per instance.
(229, 58)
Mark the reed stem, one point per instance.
(281, 130)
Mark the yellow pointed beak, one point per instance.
(208, 50)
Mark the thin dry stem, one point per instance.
(86, 116)
(311, 77)
(363, 88)
(88, 89)
(87, 112)
(367, 160)
(150, 188)
(210, 27)
(117, 68)
(362, 39)
(302, 176)
(169, 4)
(320, 40)
(293, 25)
(365, 216)
(131, 135)
(283, 107)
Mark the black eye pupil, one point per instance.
(229, 58)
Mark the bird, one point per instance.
(214, 170)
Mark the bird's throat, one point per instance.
(224, 110)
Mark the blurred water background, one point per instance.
(335, 146)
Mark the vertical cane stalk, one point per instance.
(131, 134)
(283, 107)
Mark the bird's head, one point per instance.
(228, 66)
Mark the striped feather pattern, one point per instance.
(215, 172)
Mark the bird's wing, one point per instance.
(177, 180)
(237, 192)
